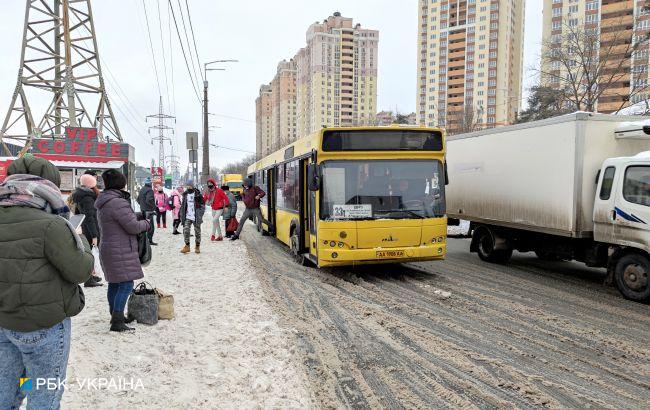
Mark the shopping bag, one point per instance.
(232, 225)
(143, 304)
(144, 248)
(98, 264)
(165, 305)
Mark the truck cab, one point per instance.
(622, 219)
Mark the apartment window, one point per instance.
(573, 9)
(557, 12)
(558, 25)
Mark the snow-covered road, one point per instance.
(224, 349)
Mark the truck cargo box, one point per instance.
(538, 176)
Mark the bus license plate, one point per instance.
(390, 254)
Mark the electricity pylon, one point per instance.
(59, 57)
(161, 127)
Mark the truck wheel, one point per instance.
(631, 276)
(486, 249)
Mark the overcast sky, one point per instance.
(258, 33)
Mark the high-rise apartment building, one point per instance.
(276, 110)
(263, 121)
(470, 63)
(332, 81)
(337, 75)
(619, 28)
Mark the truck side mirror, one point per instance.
(313, 177)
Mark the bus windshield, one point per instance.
(234, 184)
(382, 189)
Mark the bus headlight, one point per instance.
(340, 244)
(332, 244)
(441, 239)
(335, 255)
(433, 240)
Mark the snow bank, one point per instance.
(223, 349)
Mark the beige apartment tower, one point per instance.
(337, 75)
(470, 63)
(332, 81)
(618, 25)
(263, 121)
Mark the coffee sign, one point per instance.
(81, 142)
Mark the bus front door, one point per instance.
(270, 193)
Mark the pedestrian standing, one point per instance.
(230, 212)
(42, 261)
(192, 210)
(217, 200)
(162, 203)
(176, 202)
(84, 198)
(251, 197)
(118, 249)
(147, 202)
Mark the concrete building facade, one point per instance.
(263, 121)
(332, 81)
(620, 27)
(470, 63)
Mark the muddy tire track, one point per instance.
(516, 336)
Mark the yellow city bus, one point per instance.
(357, 195)
(234, 182)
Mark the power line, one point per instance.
(184, 55)
(233, 118)
(162, 47)
(187, 39)
(153, 56)
(196, 51)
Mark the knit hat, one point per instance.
(248, 182)
(190, 182)
(147, 181)
(113, 179)
(88, 181)
(35, 166)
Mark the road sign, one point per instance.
(192, 140)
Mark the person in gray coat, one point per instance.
(118, 249)
(231, 211)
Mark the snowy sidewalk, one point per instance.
(224, 349)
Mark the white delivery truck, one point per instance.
(575, 187)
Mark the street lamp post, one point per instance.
(205, 174)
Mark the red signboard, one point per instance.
(157, 176)
(4, 164)
(80, 144)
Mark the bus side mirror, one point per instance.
(313, 177)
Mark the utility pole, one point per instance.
(205, 174)
(161, 127)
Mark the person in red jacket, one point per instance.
(251, 196)
(217, 199)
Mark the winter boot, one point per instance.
(197, 249)
(165, 225)
(186, 249)
(213, 238)
(219, 238)
(117, 323)
(90, 283)
(158, 224)
(234, 237)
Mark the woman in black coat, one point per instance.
(84, 198)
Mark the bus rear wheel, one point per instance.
(298, 257)
(631, 276)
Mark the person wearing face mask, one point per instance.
(176, 202)
(217, 199)
(192, 210)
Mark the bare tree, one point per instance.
(464, 120)
(586, 62)
(239, 167)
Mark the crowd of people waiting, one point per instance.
(45, 258)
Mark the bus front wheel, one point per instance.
(299, 258)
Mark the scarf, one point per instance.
(30, 191)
